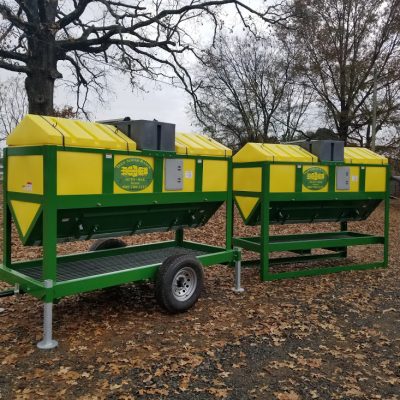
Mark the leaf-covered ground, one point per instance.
(326, 337)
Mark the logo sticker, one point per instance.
(315, 178)
(133, 174)
(28, 187)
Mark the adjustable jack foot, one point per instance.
(48, 342)
(238, 288)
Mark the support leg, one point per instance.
(48, 342)
(17, 289)
(265, 274)
(238, 272)
(343, 228)
(179, 236)
(387, 221)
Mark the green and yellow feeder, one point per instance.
(287, 184)
(68, 180)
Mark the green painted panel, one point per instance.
(87, 223)
(290, 212)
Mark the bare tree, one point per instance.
(247, 91)
(94, 36)
(13, 104)
(341, 42)
(293, 111)
(388, 115)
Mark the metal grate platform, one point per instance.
(102, 265)
(310, 237)
(317, 236)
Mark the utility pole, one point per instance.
(374, 106)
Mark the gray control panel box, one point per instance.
(343, 178)
(173, 174)
(325, 150)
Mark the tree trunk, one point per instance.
(368, 136)
(40, 91)
(42, 74)
(343, 132)
(343, 125)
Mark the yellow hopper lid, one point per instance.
(199, 145)
(358, 155)
(37, 130)
(273, 152)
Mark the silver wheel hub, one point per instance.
(184, 283)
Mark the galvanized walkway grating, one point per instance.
(102, 265)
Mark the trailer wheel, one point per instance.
(106, 244)
(179, 283)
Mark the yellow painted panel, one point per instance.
(375, 179)
(195, 144)
(79, 173)
(24, 213)
(273, 152)
(317, 175)
(148, 160)
(246, 204)
(354, 180)
(215, 176)
(189, 166)
(358, 155)
(25, 174)
(247, 179)
(37, 130)
(252, 152)
(282, 178)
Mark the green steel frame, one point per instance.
(12, 273)
(302, 245)
(49, 289)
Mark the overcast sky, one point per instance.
(160, 101)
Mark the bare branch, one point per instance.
(7, 14)
(135, 37)
(78, 11)
(13, 67)
(13, 55)
(246, 90)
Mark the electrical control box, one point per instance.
(342, 178)
(173, 174)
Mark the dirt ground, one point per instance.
(324, 337)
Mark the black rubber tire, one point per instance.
(106, 244)
(166, 273)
